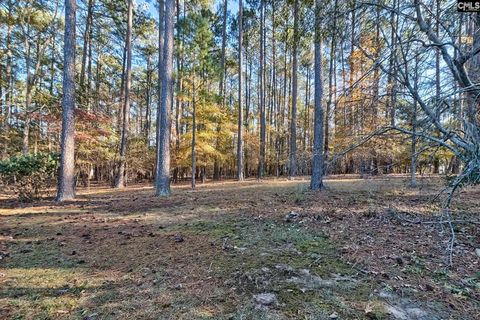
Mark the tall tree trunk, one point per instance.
(306, 112)
(122, 87)
(9, 87)
(240, 94)
(162, 180)
(263, 124)
(28, 96)
(121, 172)
(89, 70)
(194, 129)
(52, 64)
(161, 34)
(248, 98)
(285, 104)
(436, 160)
(351, 79)
(179, 88)
(316, 182)
(276, 95)
(293, 121)
(391, 81)
(97, 80)
(146, 128)
(473, 70)
(86, 41)
(331, 87)
(221, 85)
(2, 102)
(66, 178)
(31, 81)
(413, 156)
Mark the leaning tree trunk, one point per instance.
(316, 182)
(162, 181)
(120, 178)
(66, 181)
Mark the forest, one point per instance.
(242, 159)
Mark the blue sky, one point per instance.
(232, 5)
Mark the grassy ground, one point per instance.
(350, 252)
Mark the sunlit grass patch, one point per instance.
(44, 292)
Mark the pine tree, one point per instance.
(66, 178)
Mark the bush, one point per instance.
(28, 175)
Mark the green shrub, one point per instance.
(28, 175)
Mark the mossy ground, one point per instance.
(117, 254)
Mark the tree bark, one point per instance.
(66, 181)
(146, 128)
(179, 88)
(391, 81)
(240, 173)
(161, 34)
(316, 182)
(438, 102)
(121, 172)
(86, 41)
(194, 129)
(221, 85)
(413, 156)
(9, 87)
(331, 87)
(293, 121)
(28, 97)
(263, 124)
(162, 180)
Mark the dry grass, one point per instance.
(113, 254)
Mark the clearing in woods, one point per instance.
(251, 250)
